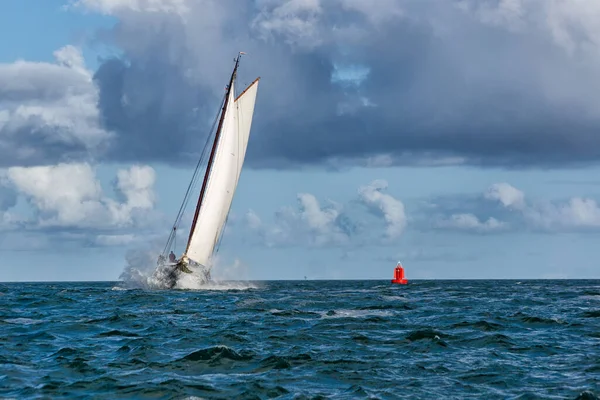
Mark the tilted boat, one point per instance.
(227, 152)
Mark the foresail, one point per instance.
(224, 176)
(245, 111)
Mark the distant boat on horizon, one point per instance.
(223, 169)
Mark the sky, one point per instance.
(461, 137)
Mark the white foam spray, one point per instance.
(142, 272)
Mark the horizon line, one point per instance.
(335, 280)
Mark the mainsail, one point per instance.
(222, 174)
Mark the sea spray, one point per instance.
(223, 271)
(225, 277)
(228, 275)
(142, 272)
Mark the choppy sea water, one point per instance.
(303, 339)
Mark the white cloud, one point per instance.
(49, 110)
(470, 222)
(320, 225)
(574, 25)
(309, 223)
(574, 213)
(69, 195)
(508, 195)
(136, 184)
(115, 240)
(297, 21)
(113, 6)
(253, 220)
(316, 218)
(392, 209)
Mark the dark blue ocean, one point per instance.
(302, 340)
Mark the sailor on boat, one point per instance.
(172, 257)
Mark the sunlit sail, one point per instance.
(226, 159)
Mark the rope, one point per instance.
(172, 236)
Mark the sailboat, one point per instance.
(221, 175)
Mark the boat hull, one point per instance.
(176, 270)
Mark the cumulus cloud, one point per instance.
(508, 195)
(309, 223)
(391, 208)
(498, 209)
(522, 93)
(295, 21)
(136, 186)
(574, 213)
(114, 6)
(70, 196)
(48, 111)
(114, 240)
(514, 212)
(470, 222)
(333, 224)
(252, 220)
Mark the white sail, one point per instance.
(245, 111)
(224, 175)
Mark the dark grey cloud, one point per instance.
(483, 83)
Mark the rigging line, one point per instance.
(194, 176)
(173, 233)
(186, 198)
(190, 186)
(216, 143)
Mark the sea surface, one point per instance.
(302, 340)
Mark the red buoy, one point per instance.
(399, 275)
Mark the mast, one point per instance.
(212, 152)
